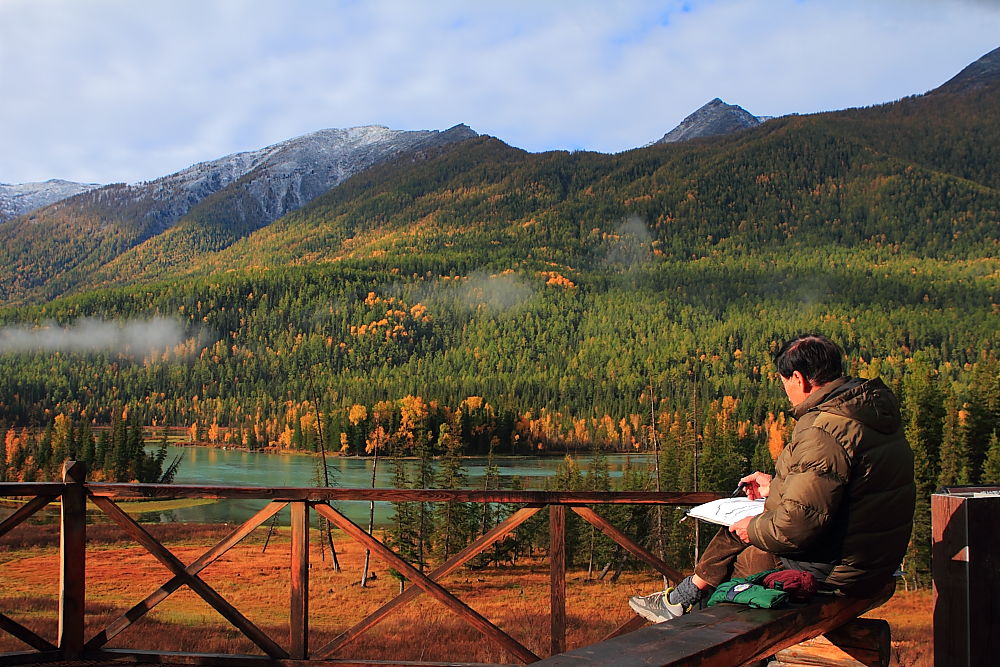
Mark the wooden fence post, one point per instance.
(557, 577)
(966, 569)
(299, 617)
(72, 560)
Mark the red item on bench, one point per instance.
(798, 584)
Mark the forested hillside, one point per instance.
(56, 249)
(570, 302)
(918, 182)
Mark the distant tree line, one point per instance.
(116, 453)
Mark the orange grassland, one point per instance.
(120, 573)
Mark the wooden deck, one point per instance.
(74, 493)
(724, 635)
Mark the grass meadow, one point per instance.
(255, 581)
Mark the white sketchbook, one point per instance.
(727, 511)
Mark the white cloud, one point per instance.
(136, 337)
(108, 90)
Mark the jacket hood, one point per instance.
(867, 401)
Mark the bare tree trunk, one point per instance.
(326, 482)
(590, 559)
(371, 522)
(656, 464)
(270, 530)
(694, 445)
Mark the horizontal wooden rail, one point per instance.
(40, 489)
(71, 644)
(123, 491)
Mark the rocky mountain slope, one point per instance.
(711, 120)
(55, 247)
(920, 175)
(979, 74)
(18, 199)
(920, 171)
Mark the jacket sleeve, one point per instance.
(809, 495)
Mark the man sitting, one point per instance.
(840, 504)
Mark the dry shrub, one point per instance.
(909, 614)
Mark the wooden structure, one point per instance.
(863, 641)
(74, 492)
(966, 567)
(728, 635)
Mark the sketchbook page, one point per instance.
(727, 511)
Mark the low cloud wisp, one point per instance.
(497, 292)
(90, 335)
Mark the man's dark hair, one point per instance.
(818, 358)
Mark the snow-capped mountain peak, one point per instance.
(21, 198)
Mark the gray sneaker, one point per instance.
(655, 607)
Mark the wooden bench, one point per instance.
(728, 634)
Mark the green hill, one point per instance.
(919, 174)
(560, 288)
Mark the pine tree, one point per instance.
(62, 439)
(453, 520)
(991, 467)
(598, 478)
(44, 454)
(119, 454)
(403, 522)
(681, 534)
(88, 446)
(103, 456)
(923, 415)
(983, 412)
(721, 463)
(375, 444)
(569, 477)
(489, 514)
(956, 464)
(424, 479)
(140, 467)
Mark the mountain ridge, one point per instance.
(20, 198)
(81, 233)
(711, 119)
(455, 179)
(978, 74)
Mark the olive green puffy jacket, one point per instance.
(843, 489)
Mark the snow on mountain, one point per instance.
(281, 177)
(22, 198)
(206, 206)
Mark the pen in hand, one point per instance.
(739, 489)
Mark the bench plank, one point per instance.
(726, 634)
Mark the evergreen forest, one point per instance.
(478, 299)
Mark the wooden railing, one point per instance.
(74, 492)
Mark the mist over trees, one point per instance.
(478, 299)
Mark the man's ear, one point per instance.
(802, 383)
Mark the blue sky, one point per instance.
(117, 90)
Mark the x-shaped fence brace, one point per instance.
(6, 623)
(423, 583)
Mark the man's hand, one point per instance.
(758, 485)
(740, 529)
